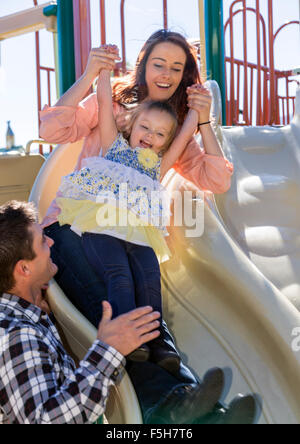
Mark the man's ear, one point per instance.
(22, 269)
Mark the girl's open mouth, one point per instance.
(144, 144)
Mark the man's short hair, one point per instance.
(16, 239)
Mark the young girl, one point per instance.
(125, 256)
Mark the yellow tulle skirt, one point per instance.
(103, 218)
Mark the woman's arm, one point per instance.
(179, 143)
(208, 169)
(72, 118)
(106, 120)
(98, 59)
(199, 99)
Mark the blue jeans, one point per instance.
(86, 290)
(131, 272)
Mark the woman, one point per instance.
(166, 67)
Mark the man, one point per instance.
(38, 380)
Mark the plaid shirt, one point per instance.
(39, 383)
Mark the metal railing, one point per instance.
(39, 70)
(242, 76)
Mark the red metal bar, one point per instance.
(272, 115)
(258, 99)
(251, 96)
(266, 94)
(49, 87)
(294, 104)
(82, 34)
(254, 65)
(245, 107)
(283, 111)
(165, 13)
(38, 75)
(102, 20)
(287, 101)
(38, 80)
(48, 71)
(122, 15)
(238, 93)
(294, 22)
(232, 119)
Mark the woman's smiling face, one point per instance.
(164, 70)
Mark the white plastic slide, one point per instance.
(231, 296)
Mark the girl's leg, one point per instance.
(108, 257)
(75, 276)
(146, 274)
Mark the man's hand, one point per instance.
(128, 331)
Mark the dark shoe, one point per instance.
(185, 404)
(164, 353)
(241, 410)
(212, 388)
(140, 354)
(167, 359)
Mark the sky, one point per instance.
(18, 97)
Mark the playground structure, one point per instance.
(231, 297)
(253, 86)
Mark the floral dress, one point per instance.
(120, 195)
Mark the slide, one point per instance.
(231, 296)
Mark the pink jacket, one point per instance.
(64, 124)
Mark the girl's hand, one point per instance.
(199, 99)
(100, 58)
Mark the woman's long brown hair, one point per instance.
(132, 88)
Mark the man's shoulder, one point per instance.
(16, 331)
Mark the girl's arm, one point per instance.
(106, 121)
(179, 143)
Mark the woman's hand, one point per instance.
(199, 99)
(100, 58)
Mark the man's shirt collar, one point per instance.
(21, 306)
